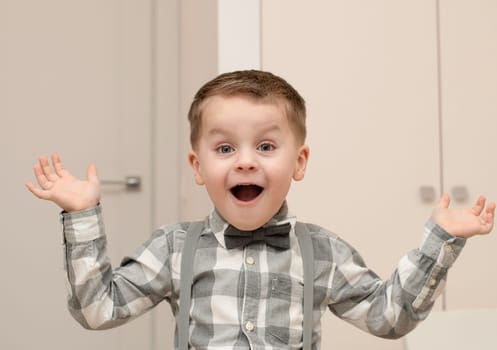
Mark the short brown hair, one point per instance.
(255, 84)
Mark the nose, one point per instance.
(246, 161)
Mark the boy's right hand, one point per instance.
(65, 190)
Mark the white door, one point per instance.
(75, 78)
(469, 95)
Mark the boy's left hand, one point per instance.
(466, 222)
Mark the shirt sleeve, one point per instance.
(100, 297)
(392, 308)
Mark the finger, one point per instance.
(487, 223)
(491, 208)
(40, 177)
(91, 173)
(58, 166)
(47, 169)
(490, 213)
(444, 201)
(478, 207)
(36, 191)
(487, 219)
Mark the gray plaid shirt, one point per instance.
(251, 297)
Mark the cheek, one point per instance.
(281, 175)
(214, 175)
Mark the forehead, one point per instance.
(240, 108)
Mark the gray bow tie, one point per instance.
(275, 236)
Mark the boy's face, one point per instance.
(246, 156)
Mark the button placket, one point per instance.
(252, 283)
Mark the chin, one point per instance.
(247, 224)
(247, 227)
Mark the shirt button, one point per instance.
(249, 326)
(433, 282)
(250, 260)
(448, 249)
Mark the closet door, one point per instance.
(469, 100)
(368, 71)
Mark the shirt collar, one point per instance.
(216, 224)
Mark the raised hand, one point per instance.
(59, 186)
(466, 222)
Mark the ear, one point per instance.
(301, 163)
(195, 164)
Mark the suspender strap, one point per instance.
(305, 244)
(186, 279)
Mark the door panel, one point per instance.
(469, 85)
(76, 76)
(368, 73)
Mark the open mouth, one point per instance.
(246, 193)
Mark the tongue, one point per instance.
(247, 193)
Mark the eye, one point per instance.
(225, 149)
(265, 147)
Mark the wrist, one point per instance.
(80, 208)
(82, 226)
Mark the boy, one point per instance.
(248, 144)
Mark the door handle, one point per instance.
(427, 193)
(460, 193)
(131, 183)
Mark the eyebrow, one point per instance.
(221, 131)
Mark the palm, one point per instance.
(62, 188)
(465, 222)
